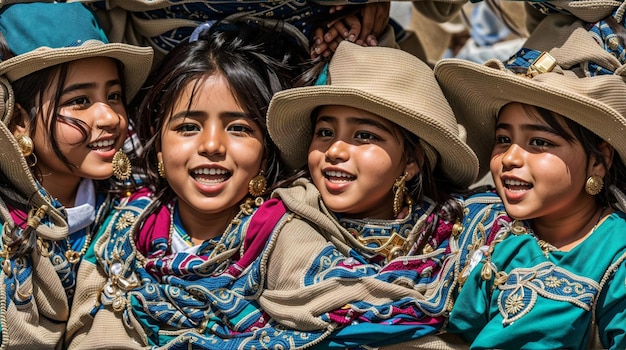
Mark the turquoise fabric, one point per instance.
(27, 27)
(547, 301)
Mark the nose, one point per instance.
(105, 116)
(338, 151)
(212, 141)
(513, 157)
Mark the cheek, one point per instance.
(380, 163)
(68, 135)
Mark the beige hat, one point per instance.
(388, 82)
(586, 84)
(39, 38)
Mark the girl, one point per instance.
(554, 277)
(70, 122)
(384, 155)
(173, 260)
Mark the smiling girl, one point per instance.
(554, 277)
(171, 266)
(375, 207)
(65, 91)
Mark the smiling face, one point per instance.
(537, 172)
(210, 149)
(354, 159)
(91, 100)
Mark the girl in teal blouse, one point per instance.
(553, 277)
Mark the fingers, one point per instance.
(375, 17)
(355, 27)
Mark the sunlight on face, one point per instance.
(354, 158)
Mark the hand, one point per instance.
(362, 27)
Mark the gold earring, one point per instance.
(161, 169)
(594, 185)
(399, 193)
(258, 184)
(26, 144)
(121, 165)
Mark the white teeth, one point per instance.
(337, 174)
(102, 144)
(515, 183)
(212, 171)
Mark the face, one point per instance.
(537, 173)
(94, 97)
(210, 150)
(354, 159)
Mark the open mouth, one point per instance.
(102, 145)
(210, 176)
(517, 185)
(338, 176)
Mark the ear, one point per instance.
(598, 166)
(19, 123)
(160, 156)
(411, 168)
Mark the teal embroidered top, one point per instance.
(547, 300)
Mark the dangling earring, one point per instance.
(161, 169)
(399, 194)
(121, 165)
(258, 184)
(27, 146)
(594, 184)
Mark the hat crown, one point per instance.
(27, 27)
(405, 82)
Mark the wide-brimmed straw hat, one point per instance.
(388, 82)
(42, 35)
(586, 84)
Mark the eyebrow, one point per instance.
(357, 121)
(197, 114)
(528, 127)
(84, 86)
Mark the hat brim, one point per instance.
(478, 92)
(137, 61)
(290, 127)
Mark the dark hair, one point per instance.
(430, 182)
(257, 62)
(616, 173)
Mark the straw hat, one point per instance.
(388, 82)
(42, 35)
(586, 84)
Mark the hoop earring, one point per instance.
(399, 194)
(594, 185)
(161, 169)
(121, 165)
(258, 184)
